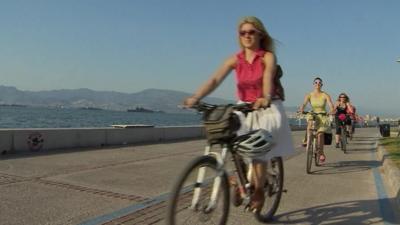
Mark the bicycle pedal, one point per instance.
(246, 201)
(246, 208)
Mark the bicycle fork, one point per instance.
(220, 157)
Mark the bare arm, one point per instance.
(268, 80)
(213, 82)
(350, 108)
(335, 106)
(330, 104)
(305, 102)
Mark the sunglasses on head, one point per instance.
(342, 96)
(249, 32)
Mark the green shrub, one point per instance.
(392, 146)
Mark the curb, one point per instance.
(392, 173)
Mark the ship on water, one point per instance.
(13, 105)
(90, 108)
(141, 109)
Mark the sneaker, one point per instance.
(322, 158)
(237, 199)
(337, 145)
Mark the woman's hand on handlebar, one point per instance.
(301, 109)
(190, 102)
(261, 103)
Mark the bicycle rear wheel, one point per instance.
(200, 195)
(273, 189)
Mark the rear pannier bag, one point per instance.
(327, 138)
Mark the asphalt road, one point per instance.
(129, 185)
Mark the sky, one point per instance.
(129, 46)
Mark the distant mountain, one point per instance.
(154, 99)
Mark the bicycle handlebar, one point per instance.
(313, 113)
(346, 114)
(243, 107)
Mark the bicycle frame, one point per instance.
(313, 133)
(343, 131)
(221, 159)
(343, 135)
(206, 182)
(312, 137)
(313, 152)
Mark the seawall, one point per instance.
(25, 140)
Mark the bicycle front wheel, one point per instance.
(317, 153)
(343, 140)
(273, 189)
(200, 195)
(310, 153)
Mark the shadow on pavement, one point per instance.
(361, 143)
(360, 150)
(346, 167)
(365, 138)
(351, 212)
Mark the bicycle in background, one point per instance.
(201, 193)
(343, 131)
(313, 153)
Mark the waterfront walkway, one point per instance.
(129, 185)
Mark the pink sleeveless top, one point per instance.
(249, 77)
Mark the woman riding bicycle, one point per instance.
(343, 106)
(318, 99)
(257, 82)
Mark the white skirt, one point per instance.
(274, 120)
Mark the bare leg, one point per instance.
(348, 128)
(320, 138)
(321, 142)
(304, 143)
(337, 138)
(258, 178)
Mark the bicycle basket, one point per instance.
(220, 123)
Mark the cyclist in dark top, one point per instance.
(342, 106)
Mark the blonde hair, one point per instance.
(266, 41)
(343, 94)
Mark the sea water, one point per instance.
(38, 117)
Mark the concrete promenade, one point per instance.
(129, 185)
